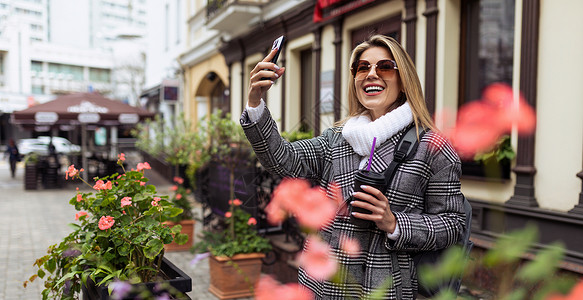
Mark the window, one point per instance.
(66, 72)
(36, 66)
(99, 75)
(487, 48)
(487, 45)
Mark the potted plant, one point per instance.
(119, 238)
(235, 254)
(235, 247)
(496, 162)
(185, 219)
(30, 171)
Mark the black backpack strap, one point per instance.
(404, 150)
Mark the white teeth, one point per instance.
(373, 89)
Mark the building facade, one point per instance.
(459, 47)
(51, 47)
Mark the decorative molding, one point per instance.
(338, 67)
(410, 21)
(492, 220)
(431, 12)
(578, 209)
(317, 56)
(524, 194)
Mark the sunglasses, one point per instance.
(361, 68)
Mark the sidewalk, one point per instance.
(31, 221)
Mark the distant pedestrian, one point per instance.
(14, 156)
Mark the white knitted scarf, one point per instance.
(359, 131)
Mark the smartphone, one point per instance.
(277, 44)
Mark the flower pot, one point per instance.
(176, 278)
(234, 277)
(188, 229)
(30, 176)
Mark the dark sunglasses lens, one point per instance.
(363, 67)
(385, 65)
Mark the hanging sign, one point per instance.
(46, 117)
(88, 118)
(128, 118)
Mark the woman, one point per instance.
(422, 209)
(13, 156)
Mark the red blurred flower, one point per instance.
(106, 222)
(311, 206)
(268, 288)
(317, 260)
(142, 166)
(228, 214)
(178, 180)
(121, 157)
(480, 124)
(350, 246)
(174, 188)
(79, 197)
(252, 221)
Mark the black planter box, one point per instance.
(178, 279)
(30, 177)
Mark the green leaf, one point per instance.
(153, 248)
(181, 239)
(51, 265)
(545, 263)
(41, 273)
(124, 249)
(176, 229)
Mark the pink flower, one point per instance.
(174, 188)
(157, 198)
(125, 201)
(480, 124)
(80, 214)
(228, 214)
(71, 172)
(237, 202)
(154, 203)
(314, 209)
(317, 260)
(100, 185)
(268, 288)
(178, 180)
(178, 196)
(252, 221)
(121, 157)
(79, 197)
(142, 183)
(350, 246)
(142, 166)
(106, 222)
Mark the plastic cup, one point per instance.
(370, 178)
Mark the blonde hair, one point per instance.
(408, 81)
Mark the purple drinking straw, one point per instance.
(374, 141)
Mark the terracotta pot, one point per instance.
(188, 229)
(234, 277)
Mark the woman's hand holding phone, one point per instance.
(262, 78)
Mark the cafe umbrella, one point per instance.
(81, 109)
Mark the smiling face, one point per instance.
(377, 91)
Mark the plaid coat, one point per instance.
(424, 195)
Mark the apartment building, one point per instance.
(459, 47)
